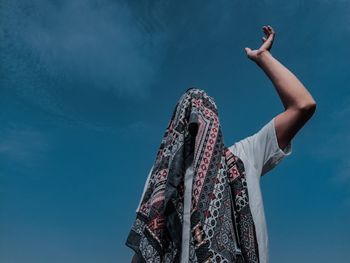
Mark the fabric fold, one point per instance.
(222, 227)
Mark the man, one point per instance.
(263, 150)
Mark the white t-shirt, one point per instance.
(260, 153)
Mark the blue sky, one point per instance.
(87, 89)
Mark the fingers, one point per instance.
(269, 29)
(270, 33)
(268, 40)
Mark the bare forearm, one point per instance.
(298, 102)
(292, 92)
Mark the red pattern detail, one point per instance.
(203, 168)
(207, 214)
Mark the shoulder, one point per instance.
(261, 149)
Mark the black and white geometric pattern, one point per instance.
(222, 227)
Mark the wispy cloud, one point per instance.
(73, 47)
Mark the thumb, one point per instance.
(247, 49)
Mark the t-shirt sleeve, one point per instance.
(144, 189)
(262, 148)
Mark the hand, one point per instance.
(265, 47)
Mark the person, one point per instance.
(263, 150)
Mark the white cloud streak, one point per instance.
(96, 44)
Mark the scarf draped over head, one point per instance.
(222, 227)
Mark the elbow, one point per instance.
(307, 108)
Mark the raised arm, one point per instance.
(298, 103)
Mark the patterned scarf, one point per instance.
(222, 227)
